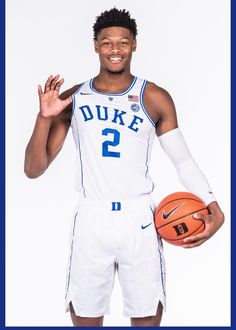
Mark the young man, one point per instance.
(115, 118)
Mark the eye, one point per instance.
(106, 43)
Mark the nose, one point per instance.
(115, 47)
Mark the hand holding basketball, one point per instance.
(213, 221)
(183, 219)
(50, 103)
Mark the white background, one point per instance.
(183, 46)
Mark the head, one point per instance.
(115, 39)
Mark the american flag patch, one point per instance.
(133, 98)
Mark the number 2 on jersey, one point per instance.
(115, 141)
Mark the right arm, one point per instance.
(51, 127)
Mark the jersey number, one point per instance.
(115, 141)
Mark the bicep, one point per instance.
(161, 108)
(167, 115)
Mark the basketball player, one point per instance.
(115, 118)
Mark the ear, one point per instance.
(134, 46)
(95, 45)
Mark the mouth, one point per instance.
(115, 59)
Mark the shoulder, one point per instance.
(158, 101)
(157, 93)
(66, 114)
(64, 95)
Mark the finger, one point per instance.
(58, 84)
(193, 244)
(40, 91)
(48, 84)
(54, 81)
(194, 238)
(200, 216)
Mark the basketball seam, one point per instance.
(177, 199)
(181, 218)
(179, 239)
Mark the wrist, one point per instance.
(45, 118)
(214, 208)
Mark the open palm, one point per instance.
(50, 103)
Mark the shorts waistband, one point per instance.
(115, 204)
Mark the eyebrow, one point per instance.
(108, 38)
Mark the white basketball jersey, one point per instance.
(113, 135)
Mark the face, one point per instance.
(115, 46)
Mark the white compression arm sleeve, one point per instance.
(190, 175)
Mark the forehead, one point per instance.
(114, 32)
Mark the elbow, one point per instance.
(35, 164)
(33, 172)
(31, 175)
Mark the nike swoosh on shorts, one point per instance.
(143, 227)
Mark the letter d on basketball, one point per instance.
(181, 228)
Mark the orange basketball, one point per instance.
(174, 217)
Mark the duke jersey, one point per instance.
(113, 134)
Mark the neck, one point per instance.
(109, 82)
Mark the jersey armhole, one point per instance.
(73, 97)
(142, 103)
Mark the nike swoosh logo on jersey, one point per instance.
(85, 93)
(143, 227)
(166, 215)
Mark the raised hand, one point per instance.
(50, 103)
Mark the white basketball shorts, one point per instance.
(110, 237)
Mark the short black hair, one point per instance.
(115, 17)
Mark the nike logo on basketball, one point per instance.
(143, 227)
(166, 215)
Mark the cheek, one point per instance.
(129, 55)
(103, 60)
(100, 58)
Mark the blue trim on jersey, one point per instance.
(79, 88)
(142, 104)
(73, 97)
(118, 94)
(73, 109)
(73, 103)
(82, 176)
(146, 162)
(147, 156)
(71, 253)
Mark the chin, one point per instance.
(117, 71)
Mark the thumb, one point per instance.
(200, 216)
(67, 101)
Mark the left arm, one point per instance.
(162, 110)
(213, 221)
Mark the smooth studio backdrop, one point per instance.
(183, 46)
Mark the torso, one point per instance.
(113, 133)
